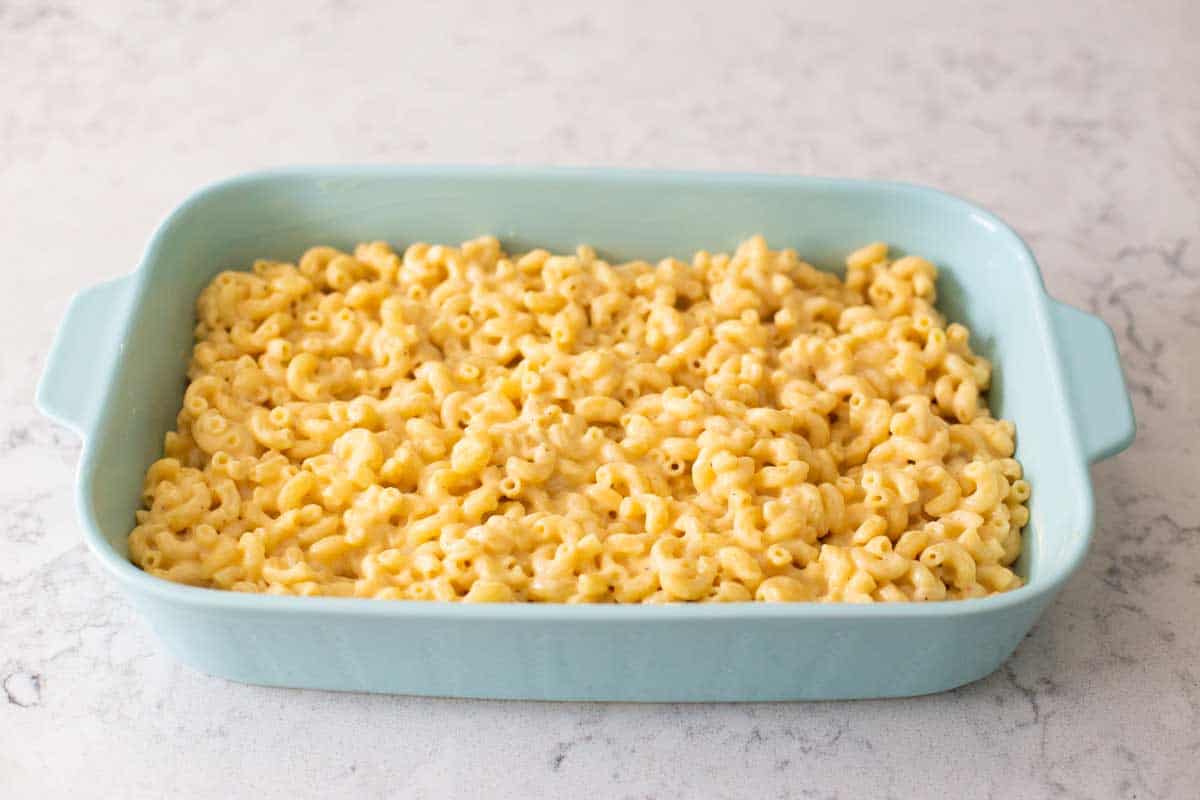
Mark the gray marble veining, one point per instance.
(1078, 124)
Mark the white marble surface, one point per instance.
(1080, 125)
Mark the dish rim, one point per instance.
(197, 597)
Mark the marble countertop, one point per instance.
(1080, 126)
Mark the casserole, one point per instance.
(116, 376)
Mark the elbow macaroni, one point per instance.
(462, 424)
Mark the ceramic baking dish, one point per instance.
(116, 376)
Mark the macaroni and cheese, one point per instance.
(457, 423)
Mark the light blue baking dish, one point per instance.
(116, 376)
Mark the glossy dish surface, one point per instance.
(127, 341)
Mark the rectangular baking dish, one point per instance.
(116, 376)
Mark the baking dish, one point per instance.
(116, 375)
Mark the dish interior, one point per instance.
(987, 281)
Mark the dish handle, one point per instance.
(73, 384)
(1095, 384)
